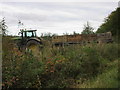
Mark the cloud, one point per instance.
(55, 17)
(60, 1)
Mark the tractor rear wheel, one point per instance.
(34, 46)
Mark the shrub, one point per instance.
(109, 51)
(19, 69)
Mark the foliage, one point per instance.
(108, 79)
(111, 23)
(74, 33)
(57, 67)
(87, 29)
(48, 36)
(3, 27)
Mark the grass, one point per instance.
(108, 79)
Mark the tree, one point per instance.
(111, 23)
(20, 24)
(65, 33)
(3, 27)
(74, 33)
(47, 35)
(87, 29)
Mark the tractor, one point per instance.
(28, 40)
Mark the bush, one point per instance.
(109, 51)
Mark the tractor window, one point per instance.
(23, 34)
(29, 34)
(34, 34)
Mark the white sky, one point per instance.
(55, 16)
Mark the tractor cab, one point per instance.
(28, 33)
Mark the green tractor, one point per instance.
(29, 41)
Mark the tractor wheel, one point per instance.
(34, 46)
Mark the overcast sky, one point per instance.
(55, 17)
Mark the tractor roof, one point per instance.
(28, 30)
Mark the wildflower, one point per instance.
(48, 62)
(49, 59)
(52, 67)
(51, 64)
(9, 83)
(59, 60)
(46, 70)
(49, 56)
(13, 77)
(46, 67)
(52, 71)
(17, 79)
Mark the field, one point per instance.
(73, 66)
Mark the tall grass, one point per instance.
(108, 79)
